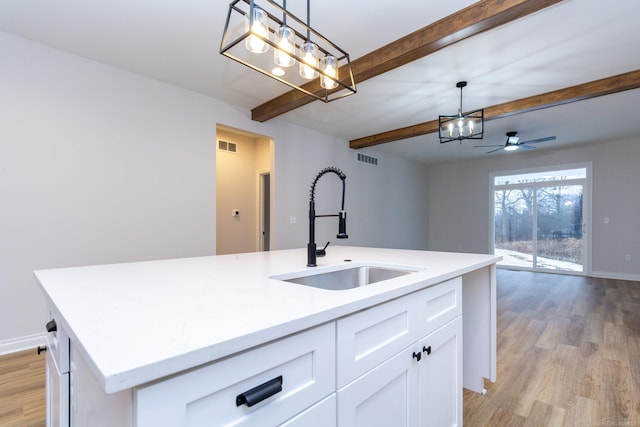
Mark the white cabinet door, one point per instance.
(57, 394)
(440, 372)
(385, 396)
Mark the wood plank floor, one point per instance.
(568, 355)
(22, 382)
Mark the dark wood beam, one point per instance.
(606, 86)
(475, 19)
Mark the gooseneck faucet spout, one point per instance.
(342, 217)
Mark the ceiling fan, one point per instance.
(514, 143)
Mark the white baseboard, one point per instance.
(22, 343)
(618, 276)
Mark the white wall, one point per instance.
(98, 165)
(459, 202)
(386, 205)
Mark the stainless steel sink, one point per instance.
(347, 278)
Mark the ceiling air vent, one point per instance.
(227, 146)
(367, 159)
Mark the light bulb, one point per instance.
(329, 66)
(450, 130)
(309, 55)
(257, 24)
(470, 127)
(283, 56)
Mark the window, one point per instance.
(539, 219)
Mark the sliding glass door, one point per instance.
(559, 239)
(539, 220)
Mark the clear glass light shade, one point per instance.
(253, 27)
(329, 67)
(285, 39)
(462, 127)
(309, 55)
(257, 23)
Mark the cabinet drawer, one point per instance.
(438, 305)
(208, 396)
(370, 337)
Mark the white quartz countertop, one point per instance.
(139, 322)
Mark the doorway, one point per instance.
(264, 210)
(540, 220)
(244, 191)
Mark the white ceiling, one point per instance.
(573, 42)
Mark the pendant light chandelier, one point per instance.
(323, 71)
(461, 126)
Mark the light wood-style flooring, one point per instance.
(22, 398)
(568, 355)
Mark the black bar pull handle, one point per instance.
(260, 393)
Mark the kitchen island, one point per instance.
(165, 342)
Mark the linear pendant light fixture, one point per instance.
(461, 126)
(252, 30)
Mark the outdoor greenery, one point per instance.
(566, 249)
(559, 221)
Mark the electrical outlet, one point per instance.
(292, 220)
(627, 257)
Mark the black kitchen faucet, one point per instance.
(312, 252)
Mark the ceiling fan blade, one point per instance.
(526, 147)
(480, 146)
(497, 149)
(535, 141)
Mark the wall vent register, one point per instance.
(227, 146)
(367, 159)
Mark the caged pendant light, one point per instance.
(324, 70)
(469, 125)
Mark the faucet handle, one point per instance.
(322, 252)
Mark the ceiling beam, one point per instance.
(475, 19)
(606, 86)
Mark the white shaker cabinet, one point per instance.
(440, 373)
(397, 363)
(421, 384)
(385, 396)
(388, 354)
(265, 386)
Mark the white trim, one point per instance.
(524, 171)
(617, 276)
(22, 343)
(260, 173)
(594, 274)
